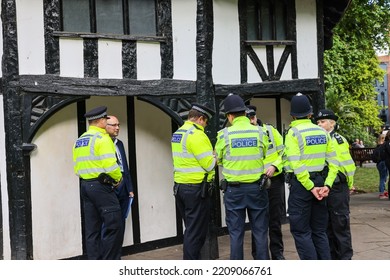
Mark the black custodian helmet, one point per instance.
(300, 106)
(233, 104)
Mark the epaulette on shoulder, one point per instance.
(338, 138)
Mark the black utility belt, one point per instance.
(188, 185)
(90, 180)
(340, 178)
(237, 184)
(277, 177)
(313, 175)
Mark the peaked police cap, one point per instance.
(97, 113)
(326, 114)
(204, 110)
(250, 111)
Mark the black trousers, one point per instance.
(339, 231)
(277, 213)
(101, 206)
(195, 212)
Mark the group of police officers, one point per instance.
(256, 161)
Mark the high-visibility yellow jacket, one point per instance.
(343, 158)
(275, 150)
(192, 154)
(94, 153)
(241, 149)
(308, 148)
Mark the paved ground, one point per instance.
(370, 224)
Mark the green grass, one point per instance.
(367, 179)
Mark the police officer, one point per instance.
(240, 150)
(273, 168)
(96, 165)
(194, 164)
(307, 148)
(339, 231)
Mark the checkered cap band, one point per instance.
(197, 108)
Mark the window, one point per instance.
(266, 19)
(129, 17)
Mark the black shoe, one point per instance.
(279, 258)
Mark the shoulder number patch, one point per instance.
(176, 138)
(82, 142)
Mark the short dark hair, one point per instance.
(196, 114)
(238, 114)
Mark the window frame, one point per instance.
(125, 36)
(288, 16)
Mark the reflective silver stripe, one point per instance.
(299, 138)
(279, 148)
(260, 140)
(211, 167)
(184, 142)
(92, 146)
(347, 162)
(293, 158)
(350, 173)
(306, 157)
(272, 140)
(287, 168)
(249, 157)
(226, 138)
(314, 156)
(187, 170)
(203, 155)
(331, 154)
(92, 158)
(335, 162)
(182, 155)
(308, 168)
(97, 170)
(243, 172)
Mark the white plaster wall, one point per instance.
(286, 74)
(4, 186)
(55, 196)
(254, 76)
(286, 117)
(184, 39)
(71, 58)
(266, 111)
(110, 59)
(226, 48)
(148, 61)
(31, 46)
(1, 41)
(117, 106)
(307, 54)
(155, 173)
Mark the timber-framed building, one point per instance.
(147, 61)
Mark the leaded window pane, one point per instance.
(75, 15)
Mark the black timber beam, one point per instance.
(271, 88)
(53, 84)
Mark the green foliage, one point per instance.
(351, 68)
